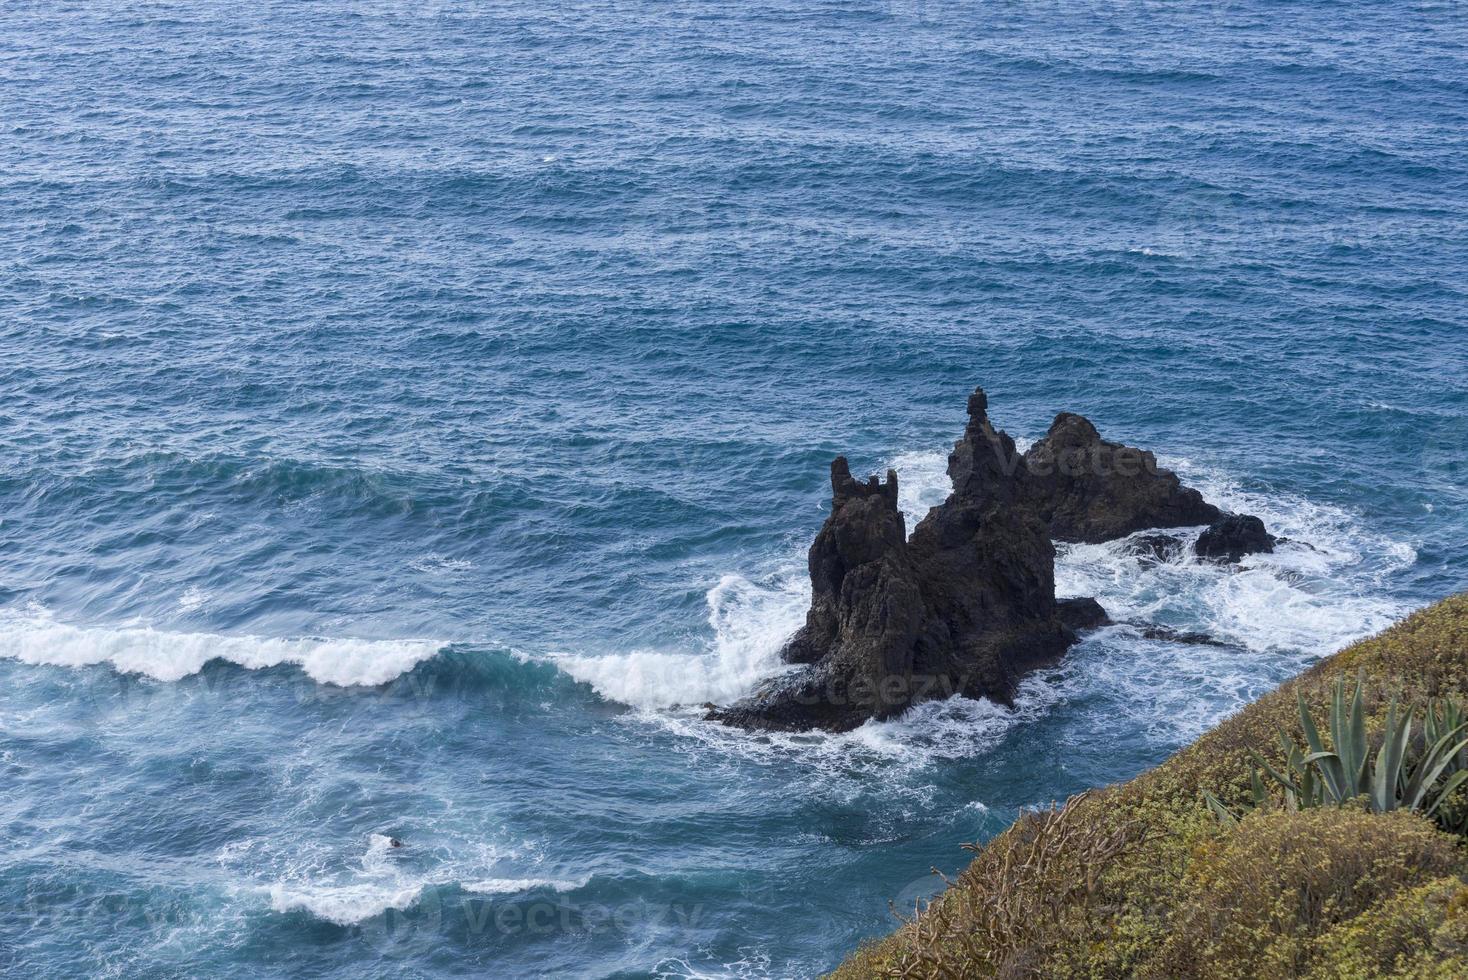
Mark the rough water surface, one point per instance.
(410, 414)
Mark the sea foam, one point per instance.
(385, 879)
(375, 886)
(344, 905)
(511, 886)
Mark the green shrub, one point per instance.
(1259, 895)
(1419, 932)
(1028, 889)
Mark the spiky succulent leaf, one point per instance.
(1262, 763)
(1441, 795)
(1357, 763)
(1332, 775)
(1399, 775)
(1427, 772)
(1256, 788)
(1387, 775)
(1312, 792)
(1224, 815)
(1312, 734)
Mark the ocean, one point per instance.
(411, 413)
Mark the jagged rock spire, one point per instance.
(843, 487)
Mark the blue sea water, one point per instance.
(411, 412)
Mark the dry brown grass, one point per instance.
(1046, 868)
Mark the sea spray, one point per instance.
(748, 620)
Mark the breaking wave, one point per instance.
(376, 885)
(749, 621)
(385, 879)
(34, 636)
(513, 886)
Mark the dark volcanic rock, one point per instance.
(966, 606)
(865, 611)
(865, 537)
(1233, 536)
(1155, 547)
(987, 571)
(1082, 614)
(1090, 490)
(1152, 631)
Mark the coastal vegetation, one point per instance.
(1273, 846)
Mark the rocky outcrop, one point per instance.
(1089, 490)
(966, 604)
(859, 559)
(1152, 631)
(861, 629)
(1233, 536)
(987, 570)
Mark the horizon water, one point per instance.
(413, 413)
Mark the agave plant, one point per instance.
(1442, 719)
(1403, 774)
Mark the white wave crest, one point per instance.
(749, 621)
(510, 886)
(36, 638)
(344, 905)
(840, 765)
(383, 879)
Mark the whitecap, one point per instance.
(510, 886)
(36, 637)
(927, 733)
(345, 905)
(375, 887)
(436, 564)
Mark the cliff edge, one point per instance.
(1142, 879)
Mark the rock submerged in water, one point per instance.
(1233, 536)
(1155, 548)
(965, 605)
